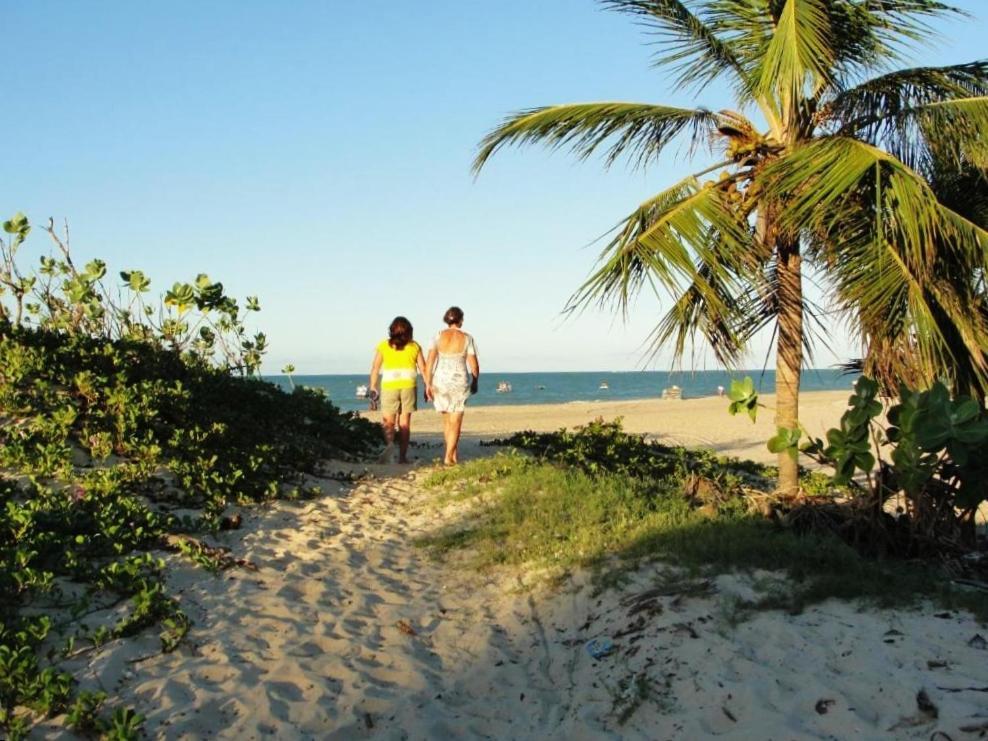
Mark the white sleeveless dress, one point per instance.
(451, 380)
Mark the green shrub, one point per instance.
(934, 451)
(604, 448)
(113, 411)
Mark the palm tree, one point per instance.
(832, 181)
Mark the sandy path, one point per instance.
(310, 646)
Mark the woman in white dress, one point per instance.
(455, 371)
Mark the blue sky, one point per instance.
(317, 154)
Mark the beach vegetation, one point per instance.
(892, 350)
(126, 424)
(832, 165)
(554, 509)
(928, 449)
(931, 451)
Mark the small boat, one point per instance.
(503, 387)
(603, 386)
(540, 387)
(361, 392)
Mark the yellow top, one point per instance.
(398, 368)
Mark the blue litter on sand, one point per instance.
(598, 648)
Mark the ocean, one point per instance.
(557, 388)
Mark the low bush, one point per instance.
(114, 414)
(605, 448)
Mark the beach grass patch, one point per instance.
(529, 513)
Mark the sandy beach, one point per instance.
(341, 628)
(699, 423)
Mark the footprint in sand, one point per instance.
(214, 674)
(290, 593)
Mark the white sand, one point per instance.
(311, 645)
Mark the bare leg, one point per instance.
(447, 460)
(388, 425)
(404, 434)
(453, 436)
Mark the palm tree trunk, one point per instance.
(789, 353)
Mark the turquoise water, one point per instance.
(556, 388)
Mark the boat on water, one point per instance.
(603, 386)
(503, 387)
(361, 392)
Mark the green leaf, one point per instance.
(744, 397)
(866, 388)
(741, 390)
(17, 224)
(813, 445)
(136, 280)
(973, 433)
(865, 461)
(785, 440)
(94, 270)
(181, 296)
(964, 411)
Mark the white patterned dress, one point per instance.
(451, 379)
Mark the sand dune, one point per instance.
(346, 630)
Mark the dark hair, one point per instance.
(453, 315)
(399, 333)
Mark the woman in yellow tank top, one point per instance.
(396, 363)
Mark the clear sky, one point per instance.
(317, 154)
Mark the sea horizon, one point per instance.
(560, 387)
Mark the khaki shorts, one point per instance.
(399, 401)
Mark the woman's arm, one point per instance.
(425, 368)
(375, 371)
(474, 365)
(430, 365)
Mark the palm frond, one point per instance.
(800, 56)
(659, 243)
(692, 47)
(883, 236)
(916, 329)
(873, 34)
(964, 191)
(860, 108)
(820, 181)
(907, 20)
(897, 110)
(953, 130)
(637, 130)
(746, 302)
(693, 313)
(746, 26)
